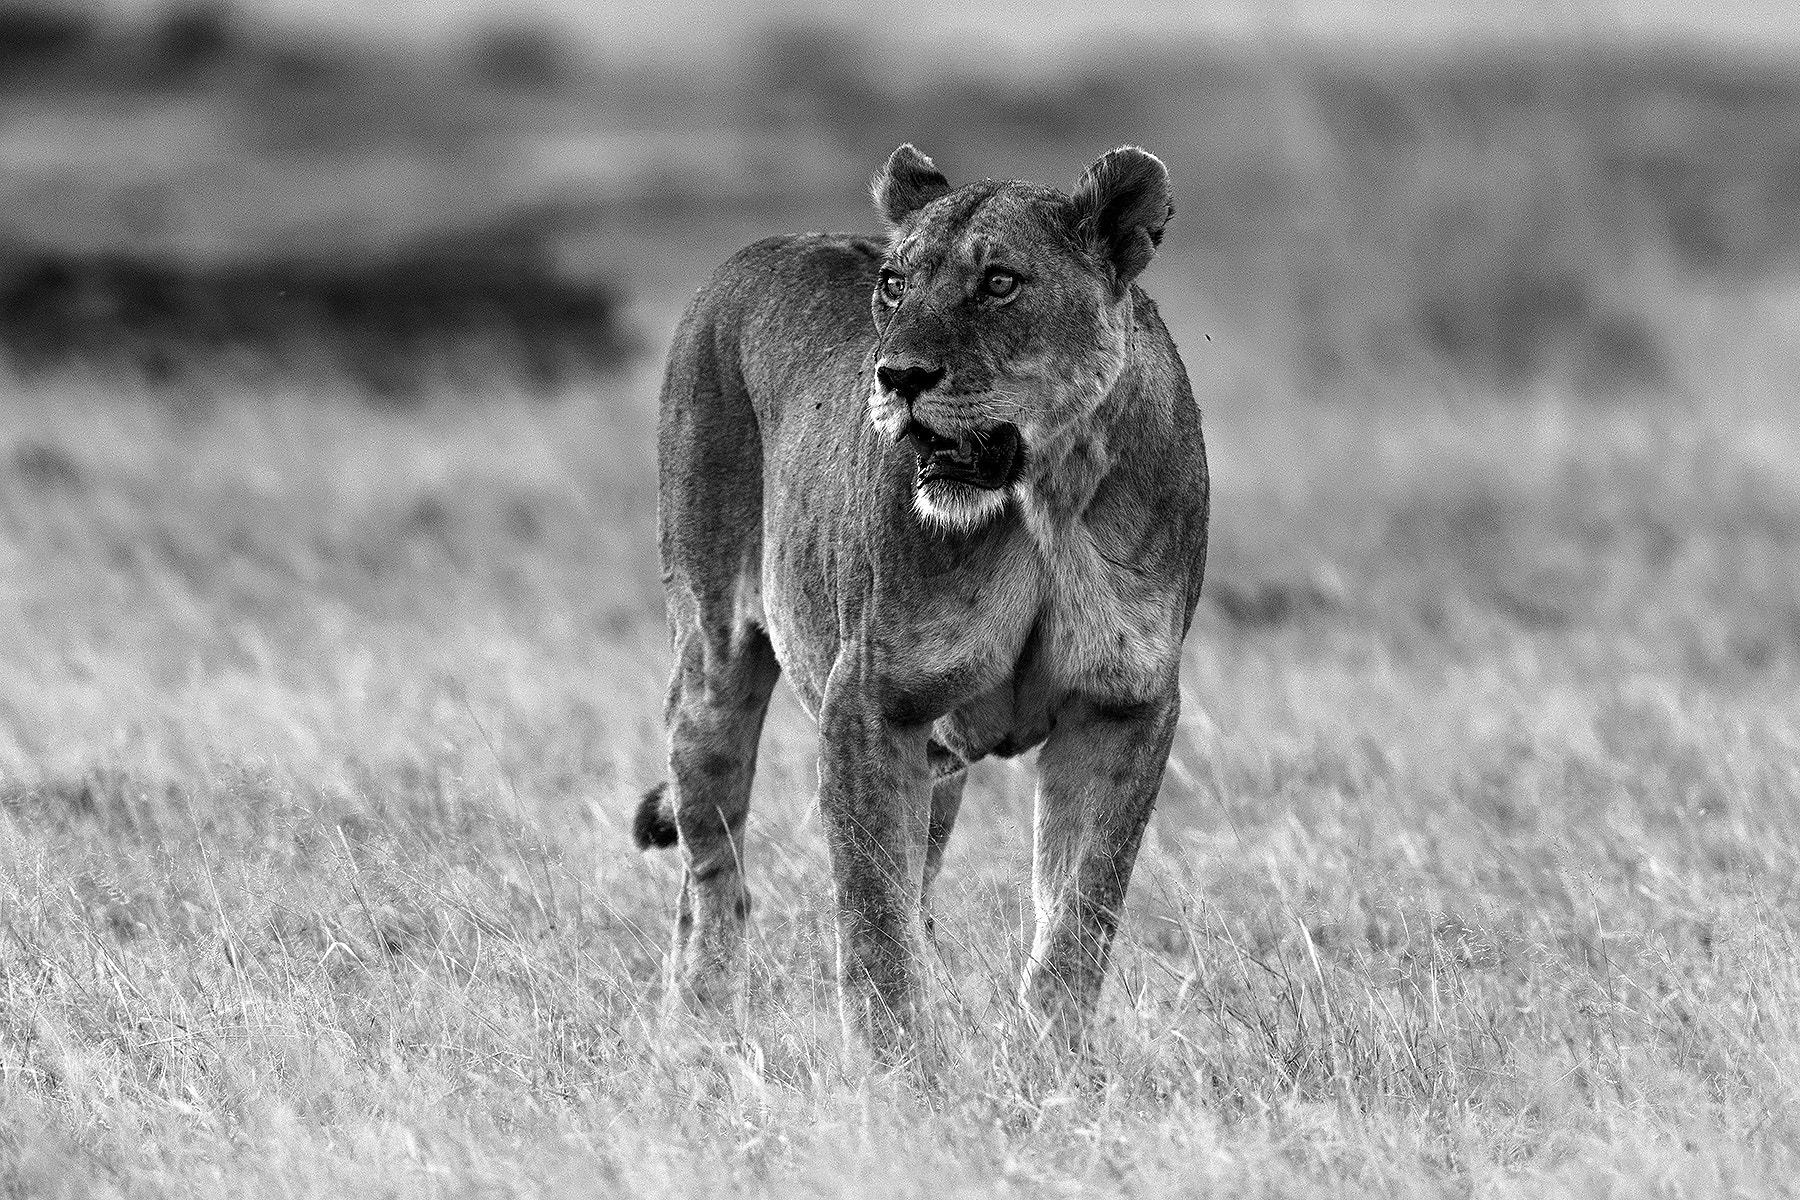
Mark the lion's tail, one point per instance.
(654, 826)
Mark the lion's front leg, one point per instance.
(1098, 777)
(875, 794)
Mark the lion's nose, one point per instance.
(908, 382)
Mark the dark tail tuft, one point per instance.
(654, 826)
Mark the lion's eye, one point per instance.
(893, 286)
(1000, 283)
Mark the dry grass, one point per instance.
(320, 730)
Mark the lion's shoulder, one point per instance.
(795, 293)
(802, 259)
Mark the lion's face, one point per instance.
(1003, 313)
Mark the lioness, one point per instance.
(972, 525)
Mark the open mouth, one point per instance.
(989, 459)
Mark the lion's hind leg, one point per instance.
(709, 521)
(717, 701)
(949, 775)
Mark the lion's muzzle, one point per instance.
(988, 459)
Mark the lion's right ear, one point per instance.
(906, 184)
(1121, 207)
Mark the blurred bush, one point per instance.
(187, 186)
(203, 202)
(36, 39)
(526, 58)
(435, 316)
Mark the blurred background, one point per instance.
(332, 641)
(447, 195)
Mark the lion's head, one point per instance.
(1004, 318)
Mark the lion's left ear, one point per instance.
(1121, 207)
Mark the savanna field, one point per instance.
(322, 723)
(1472, 872)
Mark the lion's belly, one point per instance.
(1008, 719)
(1108, 645)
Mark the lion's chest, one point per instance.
(1109, 631)
(965, 633)
(989, 642)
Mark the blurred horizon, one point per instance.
(1484, 197)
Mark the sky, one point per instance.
(703, 30)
